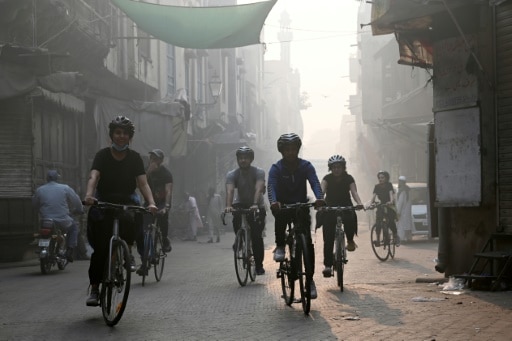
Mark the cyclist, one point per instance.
(338, 186)
(386, 194)
(59, 202)
(115, 174)
(160, 181)
(287, 184)
(250, 184)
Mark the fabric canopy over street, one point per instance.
(200, 27)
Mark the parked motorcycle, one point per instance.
(52, 246)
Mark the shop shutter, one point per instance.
(504, 104)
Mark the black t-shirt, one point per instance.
(382, 191)
(117, 178)
(157, 181)
(338, 189)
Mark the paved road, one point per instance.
(200, 299)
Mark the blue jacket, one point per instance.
(290, 188)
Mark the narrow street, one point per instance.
(199, 299)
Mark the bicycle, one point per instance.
(382, 240)
(115, 284)
(297, 263)
(245, 265)
(153, 253)
(340, 250)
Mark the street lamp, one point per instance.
(215, 87)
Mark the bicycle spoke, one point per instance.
(378, 241)
(287, 276)
(241, 266)
(114, 292)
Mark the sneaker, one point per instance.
(260, 271)
(167, 245)
(376, 243)
(133, 266)
(69, 254)
(218, 239)
(279, 254)
(94, 298)
(142, 271)
(351, 246)
(312, 290)
(397, 240)
(210, 241)
(327, 271)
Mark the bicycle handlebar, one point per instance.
(108, 205)
(340, 208)
(239, 211)
(376, 205)
(297, 205)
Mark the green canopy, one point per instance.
(200, 27)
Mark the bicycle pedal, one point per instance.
(278, 274)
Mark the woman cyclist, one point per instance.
(115, 174)
(386, 194)
(338, 186)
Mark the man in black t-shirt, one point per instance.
(160, 182)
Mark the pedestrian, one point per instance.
(338, 186)
(287, 184)
(189, 205)
(213, 215)
(249, 183)
(59, 202)
(115, 174)
(403, 207)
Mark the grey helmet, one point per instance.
(245, 151)
(122, 122)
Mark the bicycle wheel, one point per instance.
(115, 290)
(158, 259)
(144, 266)
(288, 275)
(392, 244)
(340, 259)
(250, 258)
(305, 273)
(378, 240)
(241, 266)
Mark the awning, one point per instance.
(200, 27)
(389, 16)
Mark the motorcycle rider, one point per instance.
(59, 202)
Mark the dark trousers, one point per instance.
(390, 218)
(99, 232)
(285, 217)
(329, 221)
(257, 224)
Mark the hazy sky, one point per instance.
(323, 32)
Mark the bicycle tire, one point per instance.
(380, 249)
(144, 266)
(158, 256)
(250, 257)
(240, 257)
(305, 272)
(340, 259)
(288, 275)
(392, 245)
(114, 292)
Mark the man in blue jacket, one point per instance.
(287, 184)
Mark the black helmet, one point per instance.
(386, 174)
(121, 122)
(336, 159)
(288, 139)
(245, 151)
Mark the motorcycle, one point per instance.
(52, 246)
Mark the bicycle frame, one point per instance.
(384, 248)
